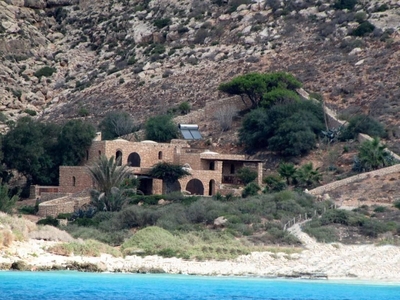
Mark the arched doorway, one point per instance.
(134, 160)
(118, 158)
(195, 187)
(211, 187)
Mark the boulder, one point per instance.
(55, 3)
(37, 4)
(220, 221)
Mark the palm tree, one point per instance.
(373, 155)
(108, 178)
(287, 171)
(307, 176)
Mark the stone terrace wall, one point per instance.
(334, 185)
(61, 205)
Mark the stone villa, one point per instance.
(211, 172)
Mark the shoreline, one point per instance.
(320, 262)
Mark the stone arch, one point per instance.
(118, 157)
(195, 187)
(211, 187)
(134, 160)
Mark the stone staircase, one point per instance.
(305, 239)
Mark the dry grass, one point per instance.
(84, 248)
(19, 227)
(51, 233)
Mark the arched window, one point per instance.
(160, 155)
(118, 158)
(73, 181)
(99, 153)
(134, 160)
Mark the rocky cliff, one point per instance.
(79, 59)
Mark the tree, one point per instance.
(108, 178)
(256, 85)
(287, 171)
(161, 128)
(74, 139)
(169, 173)
(30, 147)
(247, 175)
(115, 124)
(373, 155)
(290, 129)
(307, 176)
(7, 203)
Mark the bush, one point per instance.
(116, 124)
(363, 29)
(224, 116)
(48, 221)
(161, 129)
(45, 71)
(161, 23)
(345, 4)
(247, 175)
(184, 108)
(274, 183)
(250, 190)
(279, 96)
(30, 112)
(321, 234)
(362, 124)
(396, 204)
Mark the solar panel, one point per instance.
(190, 131)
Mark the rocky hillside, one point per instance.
(65, 59)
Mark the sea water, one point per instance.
(75, 285)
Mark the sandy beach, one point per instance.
(316, 260)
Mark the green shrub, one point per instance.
(30, 112)
(48, 221)
(247, 175)
(321, 234)
(161, 129)
(274, 183)
(363, 29)
(45, 71)
(250, 190)
(279, 96)
(345, 4)
(396, 203)
(362, 124)
(380, 209)
(184, 108)
(161, 23)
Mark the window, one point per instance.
(118, 158)
(212, 165)
(73, 181)
(232, 169)
(160, 155)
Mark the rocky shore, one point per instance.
(321, 261)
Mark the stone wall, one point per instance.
(334, 185)
(74, 179)
(65, 204)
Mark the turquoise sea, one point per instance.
(75, 285)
